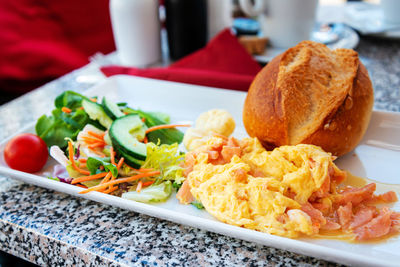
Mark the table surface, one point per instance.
(51, 228)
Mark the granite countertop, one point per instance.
(51, 228)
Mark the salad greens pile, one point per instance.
(111, 148)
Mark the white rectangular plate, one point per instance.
(377, 157)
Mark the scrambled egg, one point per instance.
(215, 121)
(262, 190)
(291, 191)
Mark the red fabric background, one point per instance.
(43, 39)
(223, 63)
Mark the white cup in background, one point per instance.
(391, 11)
(284, 22)
(219, 16)
(136, 29)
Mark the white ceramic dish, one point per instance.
(368, 20)
(347, 38)
(377, 157)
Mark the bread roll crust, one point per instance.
(310, 94)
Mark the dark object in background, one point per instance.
(186, 22)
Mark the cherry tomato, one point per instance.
(26, 152)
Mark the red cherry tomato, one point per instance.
(26, 152)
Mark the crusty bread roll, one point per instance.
(310, 94)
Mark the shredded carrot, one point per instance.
(81, 185)
(88, 139)
(126, 113)
(106, 179)
(143, 184)
(71, 158)
(112, 156)
(110, 190)
(148, 183)
(82, 160)
(66, 110)
(82, 165)
(88, 178)
(165, 126)
(139, 186)
(145, 140)
(120, 162)
(100, 136)
(81, 108)
(96, 145)
(101, 167)
(93, 100)
(143, 119)
(120, 181)
(146, 169)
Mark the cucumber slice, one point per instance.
(111, 109)
(139, 133)
(122, 133)
(131, 161)
(96, 112)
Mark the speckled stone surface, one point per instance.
(50, 228)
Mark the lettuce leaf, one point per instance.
(75, 174)
(93, 164)
(59, 125)
(165, 158)
(55, 128)
(198, 205)
(164, 136)
(160, 116)
(72, 172)
(53, 178)
(153, 193)
(69, 99)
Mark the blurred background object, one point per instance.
(219, 16)
(254, 45)
(42, 40)
(284, 22)
(186, 23)
(246, 26)
(136, 28)
(391, 11)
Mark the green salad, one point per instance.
(112, 148)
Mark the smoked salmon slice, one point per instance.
(184, 195)
(377, 227)
(362, 217)
(356, 195)
(345, 214)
